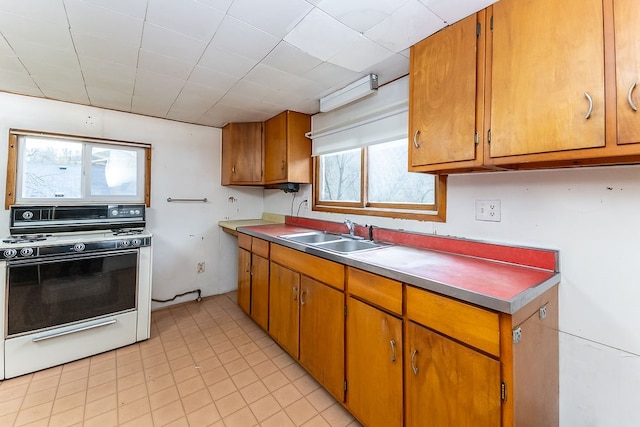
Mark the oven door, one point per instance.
(65, 290)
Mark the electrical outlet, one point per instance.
(200, 267)
(305, 204)
(488, 210)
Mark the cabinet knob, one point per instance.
(629, 97)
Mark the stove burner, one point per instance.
(26, 238)
(127, 231)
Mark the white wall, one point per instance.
(185, 164)
(591, 216)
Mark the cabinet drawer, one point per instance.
(320, 269)
(472, 325)
(260, 247)
(244, 241)
(378, 290)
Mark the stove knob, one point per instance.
(27, 215)
(10, 253)
(124, 243)
(136, 242)
(78, 247)
(114, 212)
(131, 212)
(26, 251)
(137, 212)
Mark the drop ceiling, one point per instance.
(210, 62)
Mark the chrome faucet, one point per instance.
(350, 226)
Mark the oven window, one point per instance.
(52, 293)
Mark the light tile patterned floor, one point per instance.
(206, 364)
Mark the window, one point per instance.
(63, 169)
(374, 180)
(361, 160)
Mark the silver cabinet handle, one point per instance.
(415, 139)
(283, 164)
(629, 99)
(294, 291)
(302, 297)
(233, 169)
(393, 350)
(586, 94)
(73, 331)
(414, 368)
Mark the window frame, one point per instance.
(434, 213)
(13, 159)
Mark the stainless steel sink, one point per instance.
(312, 237)
(348, 245)
(332, 242)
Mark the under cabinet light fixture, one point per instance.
(356, 90)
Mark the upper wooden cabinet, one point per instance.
(627, 60)
(447, 96)
(555, 86)
(242, 154)
(547, 78)
(287, 151)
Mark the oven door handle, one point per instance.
(73, 331)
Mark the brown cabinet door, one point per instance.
(374, 365)
(546, 55)
(275, 139)
(244, 280)
(443, 92)
(322, 334)
(284, 291)
(242, 153)
(260, 290)
(627, 22)
(448, 384)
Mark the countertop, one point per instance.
(231, 226)
(496, 285)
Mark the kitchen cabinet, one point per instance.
(627, 60)
(546, 79)
(446, 101)
(253, 278)
(374, 349)
(242, 154)
(502, 369)
(287, 151)
(306, 313)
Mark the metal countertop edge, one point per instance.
(493, 303)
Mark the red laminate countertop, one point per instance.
(490, 283)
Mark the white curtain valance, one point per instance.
(381, 117)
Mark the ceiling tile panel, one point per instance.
(170, 43)
(101, 73)
(188, 17)
(391, 68)
(106, 50)
(157, 86)
(321, 35)
(276, 17)
(361, 15)
(360, 55)
(18, 82)
(405, 27)
(104, 23)
(109, 98)
(332, 76)
(42, 10)
(244, 39)
(221, 5)
(37, 57)
(21, 29)
(454, 10)
(286, 57)
(11, 63)
(203, 76)
(226, 61)
(134, 8)
(150, 105)
(162, 64)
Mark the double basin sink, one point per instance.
(341, 243)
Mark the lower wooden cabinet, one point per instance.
(253, 278)
(284, 291)
(447, 383)
(322, 334)
(374, 365)
(244, 280)
(260, 290)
